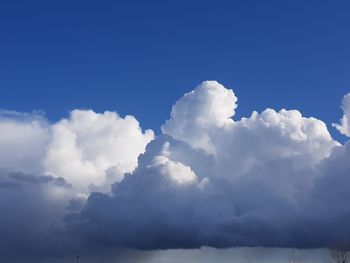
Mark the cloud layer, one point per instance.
(276, 178)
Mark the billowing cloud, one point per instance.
(92, 150)
(212, 181)
(276, 178)
(208, 106)
(47, 170)
(89, 150)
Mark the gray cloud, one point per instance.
(30, 208)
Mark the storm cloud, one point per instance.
(275, 178)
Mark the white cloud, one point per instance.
(208, 106)
(23, 139)
(344, 126)
(87, 149)
(94, 148)
(176, 171)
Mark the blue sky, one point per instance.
(139, 57)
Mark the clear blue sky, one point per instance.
(139, 57)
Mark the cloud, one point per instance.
(212, 181)
(89, 150)
(344, 126)
(23, 140)
(31, 206)
(92, 149)
(276, 178)
(47, 170)
(208, 106)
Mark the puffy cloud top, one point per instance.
(276, 178)
(209, 105)
(91, 148)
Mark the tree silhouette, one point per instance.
(340, 254)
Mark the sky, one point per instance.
(139, 56)
(164, 131)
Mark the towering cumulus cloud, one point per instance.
(276, 178)
(210, 180)
(209, 106)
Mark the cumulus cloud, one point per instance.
(92, 149)
(48, 169)
(212, 181)
(88, 149)
(276, 178)
(208, 106)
